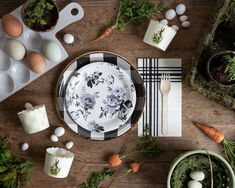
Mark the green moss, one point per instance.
(198, 162)
(220, 38)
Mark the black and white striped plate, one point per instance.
(93, 57)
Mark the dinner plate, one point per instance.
(133, 100)
(100, 97)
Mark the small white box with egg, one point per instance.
(166, 33)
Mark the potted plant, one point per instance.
(221, 68)
(40, 15)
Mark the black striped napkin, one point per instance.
(151, 70)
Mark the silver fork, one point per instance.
(165, 88)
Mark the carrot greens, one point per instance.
(131, 12)
(14, 171)
(218, 137)
(96, 178)
(134, 12)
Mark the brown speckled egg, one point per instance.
(11, 26)
(36, 62)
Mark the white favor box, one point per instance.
(34, 119)
(58, 162)
(167, 35)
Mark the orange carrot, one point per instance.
(211, 132)
(115, 160)
(135, 167)
(106, 33)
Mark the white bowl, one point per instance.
(226, 165)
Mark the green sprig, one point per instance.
(36, 10)
(13, 170)
(96, 178)
(230, 68)
(229, 148)
(134, 12)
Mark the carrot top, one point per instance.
(135, 167)
(115, 160)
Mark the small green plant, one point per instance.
(230, 68)
(35, 12)
(54, 170)
(157, 37)
(14, 172)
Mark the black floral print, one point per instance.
(94, 79)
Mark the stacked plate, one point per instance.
(100, 95)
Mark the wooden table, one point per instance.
(90, 155)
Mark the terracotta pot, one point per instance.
(52, 26)
(209, 63)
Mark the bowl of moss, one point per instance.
(216, 171)
(40, 15)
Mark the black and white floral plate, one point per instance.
(100, 95)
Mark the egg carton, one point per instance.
(14, 75)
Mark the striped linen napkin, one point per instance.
(151, 70)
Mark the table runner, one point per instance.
(151, 70)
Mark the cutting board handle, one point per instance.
(67, 17)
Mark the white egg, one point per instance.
(24, 147)
(197, 175)
(175, 27)
(28, 106)
(69, 145)
(68, 38)
(164, 22)
(183, 18)
(180, 9)
(194, 184)
(15, 49)
(59, 131)
(170, 14)
(54, 138)
(186, 24)
(52, 51)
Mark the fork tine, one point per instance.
(168, 77)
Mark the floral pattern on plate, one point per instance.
(116, 103)
(86, 104)
(100, 97)
(95, 127)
